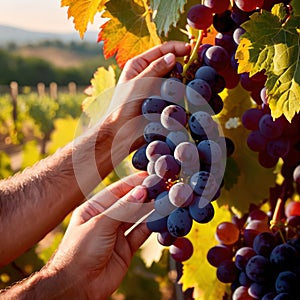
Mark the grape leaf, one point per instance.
(271, 43)
(129, 30)
(252, 183)
(83, 12)
(96, 104)
(166, 15)
(197, 272)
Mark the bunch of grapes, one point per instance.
(184, 155)
(273, 139)
(259, 262)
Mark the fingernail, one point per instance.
(138, 193)
(169, 58)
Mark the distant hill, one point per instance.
(18, 36)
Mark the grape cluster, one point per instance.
(272, 139)
(259, 263)
(184, 155)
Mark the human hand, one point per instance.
(95, 253)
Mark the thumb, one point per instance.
(160, 66)
(127, 209)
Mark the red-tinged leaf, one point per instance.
(129, 30)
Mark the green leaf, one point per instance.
(97, 103)
(197, 272)
(129, 30)
(252, 182)
(166, 15)
(271, 43)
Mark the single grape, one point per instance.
(217, 6)
(156, 222)
(283, 256)
(296, 174)
(198, 92)
(173, 117)
(167, 167)
(269, 296)
(287, 282)
(278, 148)
(266, 160)
(182, 249)
(155, 185)
(165, 238)
(204, 184)
(256, 141)
(292, 208)
(269, 128)
(244, 280)
(181, 194)
(199, 16)
(257, 268)
(227, 233)
(179, 222)
(186, 154)
(223, 22)
(208, 74)
(219, 253)
(139, 159)
(154, 131)
(251, 118)
(249, 5)
(237, 34)
(227, 271)
(217, 57)
(242, 257)
(264, 243)
(257, 290)
(209, 151)
(201, 124)
(241, 293)
(155, 149)
(199, 213)
(152, 108)
(172, 90)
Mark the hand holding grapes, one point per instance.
(95, 253)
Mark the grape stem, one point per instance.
(277, 217)
(194, 54)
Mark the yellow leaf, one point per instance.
(83, 12)
(242, 55)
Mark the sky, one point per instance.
(37, 15)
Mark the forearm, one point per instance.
(45, 285)
(36, 200)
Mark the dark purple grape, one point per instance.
(257, 290)
(244, 280)
(156, 149)
(201, 214)
(174, 117)
(257, 268)
(198, 92)
(242, 257)
(223, 21)
(201, 124)
(181, 194)
(204, 184)
(156, 222)
(167, 167)
(278, 148)
(186, 154)
(283, 256)
(172, 90)
(155, 185)
(139, 159)
(256, 141)
(182, 249)
(269, 296)
(179, 222)
(217, 57)
(227, 271)
(269, 128)
(209, 151)
(217, 254)
(152, 108)
(154, 131)
(199, 17)
(226, 41)
(165, 238)
(251, 118)
(266, 160)
(264, 243)
(287, 282)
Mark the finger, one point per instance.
(124, 210)
(104, 199)
(165, 53)
(138, 236)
